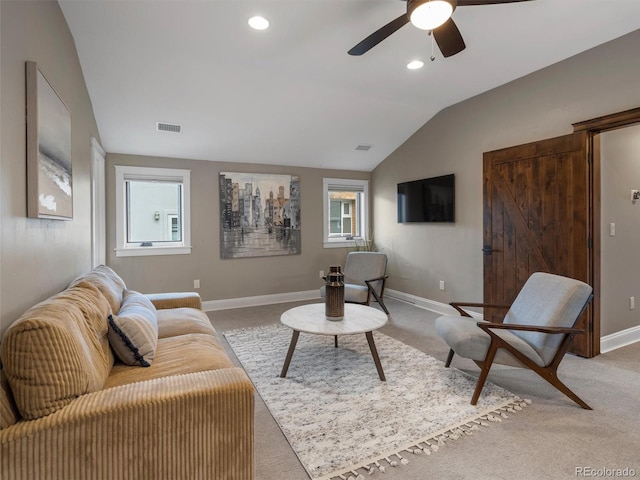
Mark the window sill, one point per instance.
(339, 243)
(148, 251)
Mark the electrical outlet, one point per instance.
(635, 196)
(441, 284)
(632, 303)
(321, 274)
(196, 284)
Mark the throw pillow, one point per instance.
(108, 282)
(133, 332)
(57, 351)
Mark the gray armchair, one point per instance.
(535, 333)
(365, 274)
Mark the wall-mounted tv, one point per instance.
(427, 200)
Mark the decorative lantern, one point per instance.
(334, 293)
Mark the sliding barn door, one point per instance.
(536, 218)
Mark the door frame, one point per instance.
(594, 127)
(98, 205)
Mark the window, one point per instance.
(345, 211)
(340, 210)
(152, 211)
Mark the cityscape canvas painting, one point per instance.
(49, 179)
(259, 215)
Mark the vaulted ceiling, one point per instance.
(291, 95)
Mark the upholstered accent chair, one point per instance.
(536, 331)
(365, 274)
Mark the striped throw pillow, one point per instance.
(133, 332)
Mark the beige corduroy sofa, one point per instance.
(69, 411)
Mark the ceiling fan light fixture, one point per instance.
(415, 64)
(258, 23)
(430, 14)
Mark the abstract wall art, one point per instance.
(259, 214)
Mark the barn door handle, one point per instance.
(487, 250)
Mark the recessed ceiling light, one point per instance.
(415, 65)
(258, 23)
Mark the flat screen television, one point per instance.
(427, 200)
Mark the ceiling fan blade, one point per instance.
(466, 3)
(379, 35)
(448, 38)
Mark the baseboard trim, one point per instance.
(619, 339)
(427, 304)
(229, 303)
(256, 301)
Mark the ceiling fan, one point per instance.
(431, 15)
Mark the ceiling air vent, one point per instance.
(364, 148)
(168, 127)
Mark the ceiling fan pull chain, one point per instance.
(433, 57)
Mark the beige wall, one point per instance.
(542, 105)
(620, 160)
(230, 278)
(40, 257)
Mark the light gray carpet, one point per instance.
(340, 418)
(549, 439)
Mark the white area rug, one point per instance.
(341, 420)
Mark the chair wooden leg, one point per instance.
(380, 301)
(335, 340)
(449, 358)
(384, 307)
(378, 298)
(486, 366)
(553, 379)
(549, 373)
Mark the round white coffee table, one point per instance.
(311, 319)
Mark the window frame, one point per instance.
(333, 184)
(133, 249)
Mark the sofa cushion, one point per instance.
(133, 332)
(175, 300)
(191, 353)
(58, 350)
(108, 282)
(8, 412)
(181, 321)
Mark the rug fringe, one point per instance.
(430, 444)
